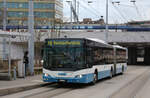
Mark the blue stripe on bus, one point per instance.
(103, 74)
(119, 70)
(87, 78)
(125, 67)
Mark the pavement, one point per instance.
(107, 89)
(21, 84)
(135, 82)
(144, 91)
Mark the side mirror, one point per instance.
(42, 52)
(89, 65)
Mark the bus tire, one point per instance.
(122, 70)
(60, 83)
(95, 78)
(111, 73)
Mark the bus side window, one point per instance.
(89, 56)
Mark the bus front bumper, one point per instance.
(84, 79)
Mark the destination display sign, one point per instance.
(64, 42)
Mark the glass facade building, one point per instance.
(46, 12)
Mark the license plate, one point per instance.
(62, 80)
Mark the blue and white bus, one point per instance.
(81, 60)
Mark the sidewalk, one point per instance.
(21, 84)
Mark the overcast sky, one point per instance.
(124, 12)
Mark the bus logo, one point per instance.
(62, 74)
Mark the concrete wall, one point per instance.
(1, 47)
(17, 51)
(147, 56)
(132, 56)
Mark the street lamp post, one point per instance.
(106, 24)
(116, 2)
(4, 28)
(78, 7)
(9, 58)
(133, 1)
(70, 2)
(31, 38)
(4, 39)
(106, 28)
(75, 7)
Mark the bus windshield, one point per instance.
(65, 58)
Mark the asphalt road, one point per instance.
(132, 84)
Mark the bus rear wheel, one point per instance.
(111, 74)
(122, 70)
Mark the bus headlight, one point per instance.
(42, 62)
(78, 76)
(46, 74)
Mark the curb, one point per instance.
(21, 88)
(5, 76)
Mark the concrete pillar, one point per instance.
(132, 56)
(147, 56)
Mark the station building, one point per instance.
(46, 12)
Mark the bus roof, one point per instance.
(97, 40)
(120, 47)
(92, 39)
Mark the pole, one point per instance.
(50, 33)
(75, 7)
(106, 29)
(9, 58)
(4, 28)
(31, 38)
(78, 10)
(70, 2)
(71, 14)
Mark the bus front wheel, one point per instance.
(95, 78)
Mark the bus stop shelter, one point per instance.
(9, 36)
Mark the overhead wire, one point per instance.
(88, 9)
(117, 16)
(137, 10)
(125, 19)
(126, 5)
(94, 12)
(85, 7)
(91, 7)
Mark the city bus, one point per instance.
(81, 60)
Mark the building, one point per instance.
(139, 23)
(90, 21)
(87, 20)
(46, 12)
